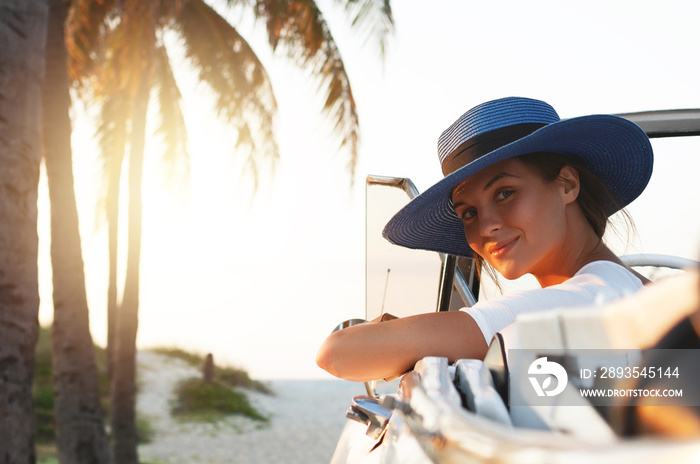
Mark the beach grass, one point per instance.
(42, 389)
(227, 375)
(196, 399)
(210, 401)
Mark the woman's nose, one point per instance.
(489, 221)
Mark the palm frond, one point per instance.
(172, 122)
(85, 27)
(299, 30)
(124, 61)
(169, 10)
(373, 18)
(227, 63)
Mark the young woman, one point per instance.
(525, 193)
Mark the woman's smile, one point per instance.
(500, 249)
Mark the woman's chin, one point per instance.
(510, 274)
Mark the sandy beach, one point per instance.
(306, 419)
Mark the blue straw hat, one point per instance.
(613, 148)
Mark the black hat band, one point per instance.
(481, 144)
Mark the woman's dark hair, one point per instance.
(594, 198)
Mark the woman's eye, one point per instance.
(468, 214)
(503, 194)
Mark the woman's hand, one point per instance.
(384, 317)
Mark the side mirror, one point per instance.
(348, 323)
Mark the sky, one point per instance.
(260, 278)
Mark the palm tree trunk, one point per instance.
(22, 42)
(123, 394)
(112, 239)
(114, 145)
(80, 432)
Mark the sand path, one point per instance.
(306, 418)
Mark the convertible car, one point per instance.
(617, 382)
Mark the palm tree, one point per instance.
(118, 55)
(80, 431)
(22, 41)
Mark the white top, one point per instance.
(594, 283)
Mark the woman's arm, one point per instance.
(374, 351)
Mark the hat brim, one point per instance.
(613, 148)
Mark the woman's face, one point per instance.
(513, 219)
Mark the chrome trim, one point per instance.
(447, 275)
(369, 411)
(371, 388)
(666, 123)
(403, 183)
(348, 323)
(463, 289)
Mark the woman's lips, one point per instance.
(501, 248)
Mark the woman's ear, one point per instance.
(571, 185)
